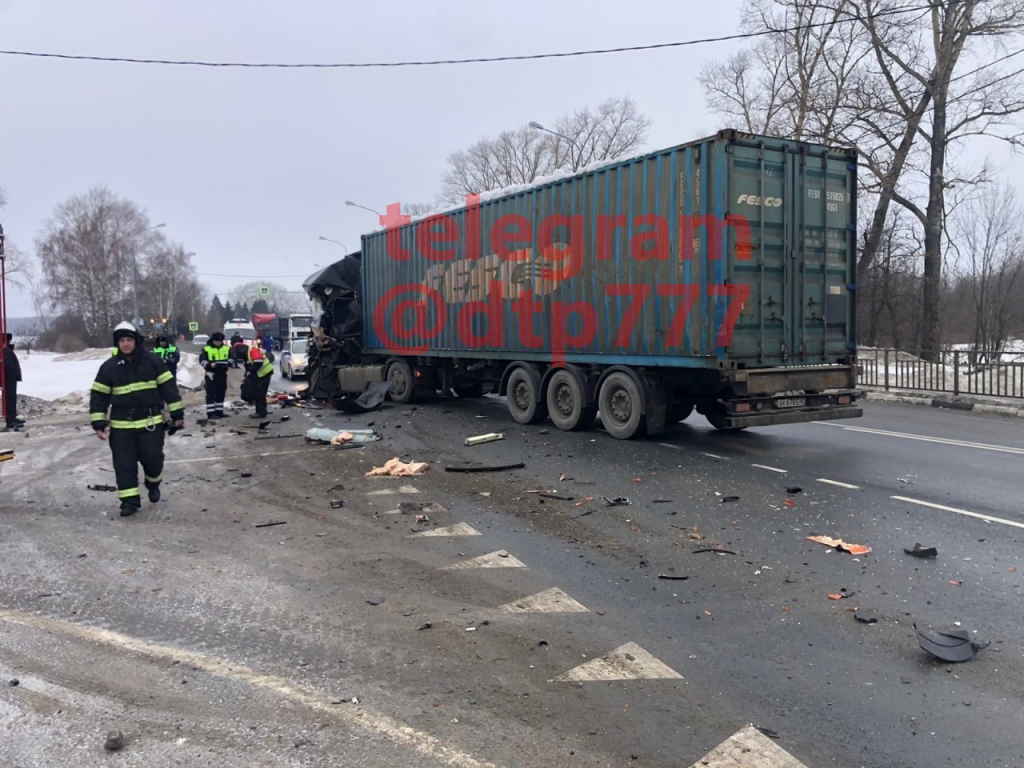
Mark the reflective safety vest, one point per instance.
(256, 356)
(217, 354)
(165, 351)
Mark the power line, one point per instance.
(254, 278)
(481, 60)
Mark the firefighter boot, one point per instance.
(154, 492)
(130, 506)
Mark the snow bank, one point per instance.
(66, 379)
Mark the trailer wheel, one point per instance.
(524, 400)
(565, 399)
(681, 412)
(401, 380)
(716, 418)
(621, 405)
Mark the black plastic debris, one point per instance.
(619, 501)
(919, 551)
(370, 400)
(954, 647)
(661, 501)
(110, 488)
(285, 417)
(863, 618)
(337, 503)
(246, 474)
(768, 732)
(492, 468)
(719, 551)
(794, 489)
(263, 425)
(375, 600)
(557, 496)
(14, 683)
(271, 523)
(428, 625)
(726, 499)
(671, 577)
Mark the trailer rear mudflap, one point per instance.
(768, 419)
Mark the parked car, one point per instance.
(200, 339)
(293, 359)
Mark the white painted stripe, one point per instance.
(986, 518)
(628, 662)
(246, 456)
(393, 491)
(716, 456)
(499, 559)
(771, 469)
(926, 439)
(841, 485)
(748, 748)
(459, 529)
(355, 716)
(669, 445)
(551, 600)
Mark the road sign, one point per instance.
(264, 290)
(193, 326)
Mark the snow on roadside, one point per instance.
(65, 380)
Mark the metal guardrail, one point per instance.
(958, 372)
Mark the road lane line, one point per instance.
(499, 559)
(246, 456)
(926, 439)
(669, 445)
(986, 518)
(459, 529)
(841, 485)
(771, 469)
(551, 600)
(716, 456)
(354, 716)
(628, 662)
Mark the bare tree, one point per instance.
(168, 284)
(18, 266)
(86, 251)
(989, 263)
(615, 129)
(281, 300)
(889, 290)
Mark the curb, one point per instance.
(962, 403)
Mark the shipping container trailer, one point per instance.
(717, 275)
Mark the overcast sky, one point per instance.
(247, 167)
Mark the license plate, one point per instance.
(791, 402)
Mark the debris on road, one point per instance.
(853, 549)
(428, 625)
(919, 551)
(620, 501)
(271, 523)
(864, 618)
(794, 489)
(718, 551)
(840, 595)
(672, 577)
(954, 647)
(375, 600)
(342, 436)
(14, 683)
(412, 507)
(956, 583)
(661, 501)
(397, 468)
(492, 468)
(422, 519)
(490, 437)
(370, 400)
(101, 488)
(726, 499)
(550, 495)
(337, 503)
(114, 742)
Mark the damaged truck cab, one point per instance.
(715, 276)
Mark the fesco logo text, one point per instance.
(768, 202)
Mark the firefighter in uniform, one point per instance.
(134, 385)
(214, 359)
(168, 353)
(259, 365)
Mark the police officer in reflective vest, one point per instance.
(214, 359)
(260, 365)
(134, 385)
(168, 353)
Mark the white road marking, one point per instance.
(628, 662)
(551, 600)
(986, 518)
(771, 469)
(459, 529)
(355, 716)
(926, 439)
(716, 456)
(669, 445)
(748, 748)
(246, 456)
(499, 559)
(393, 491)
(841, 485)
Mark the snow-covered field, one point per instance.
(66, 379)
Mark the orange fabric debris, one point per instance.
(828, 541)
(341, 438)
(397, 468)
(835, 596)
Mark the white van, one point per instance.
(243, 328)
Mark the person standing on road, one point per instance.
(134, 385)
(12, 375)
(259, 366)
(214, 359)
(168, 353)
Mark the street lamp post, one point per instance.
(336, 242)
(357, 205)
(135, 277)
(538, 127)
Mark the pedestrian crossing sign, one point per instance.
(264, 290)
(193, 326)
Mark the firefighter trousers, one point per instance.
(216, 391)
(262, 387)
(130, 448)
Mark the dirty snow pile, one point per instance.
(65, 380)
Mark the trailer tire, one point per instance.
(565, 400)
(681, 412)
(524, 397)
(621, 403)
(402, 382)
(716, 418)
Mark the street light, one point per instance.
(538, 127)
(336, 242)
(357, 205)
(135, 277)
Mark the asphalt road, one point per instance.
(269, 626)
